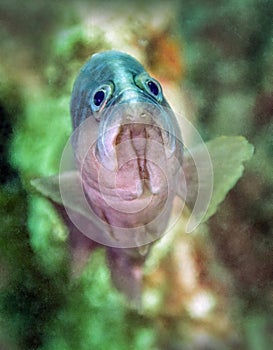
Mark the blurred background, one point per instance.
(208, 290)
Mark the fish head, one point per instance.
(127, 141)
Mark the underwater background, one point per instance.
(211, 289)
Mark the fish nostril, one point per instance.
(129, 117)
(138, 117)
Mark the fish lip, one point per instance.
(140, 110)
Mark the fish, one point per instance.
(128, 147)
(125, 164)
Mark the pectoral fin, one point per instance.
(71, 183)
(211, 170)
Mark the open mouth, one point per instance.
(139, 122)
(136, 142)
(140, 153)
(136, 146)
(134, 136)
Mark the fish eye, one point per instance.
(153, 87)
(100, 96)
(150, 85)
